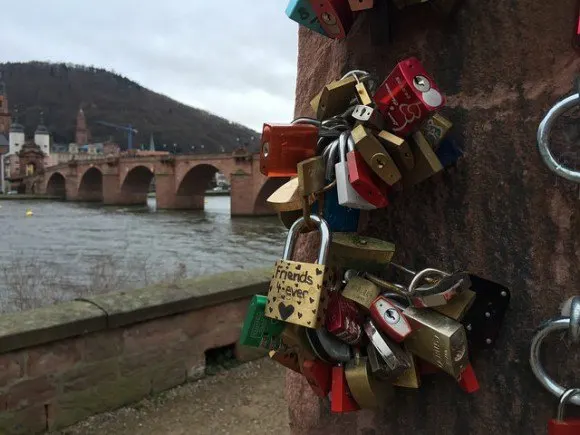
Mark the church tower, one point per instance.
(5, 119)
(42, 136)
(82, 133)
(16, 136)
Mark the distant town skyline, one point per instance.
(235, 61)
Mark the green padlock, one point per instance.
(259, 330)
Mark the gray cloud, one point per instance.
(227, 57)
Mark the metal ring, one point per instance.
(421, 274)
(552, 325)
(574, 329)
(544, 138)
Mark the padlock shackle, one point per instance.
(350, 142)
(564, 400)
(421, 274)
(329, 156)
(549, 326)
(325, 237)
(543, 138)
(342, 141)
(356, 73)
(574, 329)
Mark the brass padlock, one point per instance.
(435, 129)
(426, 161)
(297, 293)
(375, 155)
(394, 357)
(363, 94)
(352, 251)
(334, 98)
(287, 359)
(361, 291)
(311, 174)
(410, 378)
(437, 339)
(287, 197)
(398, 148)
(367, 390)
(458, 306)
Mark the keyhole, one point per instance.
(380, 164)
(391, 316)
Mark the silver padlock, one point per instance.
(395, 358)
(347, 196)
(327, 347)
(369, 117)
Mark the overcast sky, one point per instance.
(233, 58)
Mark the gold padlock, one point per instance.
(334, 98)
(351, 251)
(375, 155)
(311, 174)
(426, 162)
(367, 390)
(438, 340)
(435, 129)
(363, 94)
(458, 306)
(410, 378)
(361, 291)
(398, 148)
(287, 197)
(297, 293)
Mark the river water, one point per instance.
(90, 245)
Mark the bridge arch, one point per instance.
(135, 185)
(190, 192)
(261, 207)
(91, 185)
(56, 185)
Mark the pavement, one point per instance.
(248, 399)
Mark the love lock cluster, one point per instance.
(334, 18)
(352, 333)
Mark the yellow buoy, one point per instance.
(29, 213)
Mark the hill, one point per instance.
(60, 89)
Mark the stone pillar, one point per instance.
(72, 187)
(499, 213)
(111, 189)
(242, 194)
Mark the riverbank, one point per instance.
(30, 197)
(207, 193)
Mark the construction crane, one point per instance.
(128, 128)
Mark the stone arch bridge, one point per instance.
(180, 181)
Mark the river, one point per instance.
(76, 246)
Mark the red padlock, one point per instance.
(318, 374)
(468, 381)
(389, 319)
(341, 399)
(408, 97)
(335, 16)
(343, 319)
(363, 179)
(284, 146)
(559, 426)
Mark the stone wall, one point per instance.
(500, 213)
(63, 363)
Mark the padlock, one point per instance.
(375, 155)
(468, 381)
(352, 251)
(559, 426)
(347, 196)
(448, 152)
(360, 5)
(341, 399)
(334, 16)
(284, 146)
(287, 197)
(437, 339)
(259, 330)
(367, 390)
(311, 175)
(361, 291)
(392, 354)
(363, 95)
(318, 375)
(389, 319)
(398, 148)
(343, 319)
(301, 11)
(484, 319)
(408, 97)
(441, 292)
(435, 129)
(296, 293)
(327, 347)
(426, 162)
(457, 307)
(287, 359)
(294, 337)
(369, 117)
(334, 98)
(366, 183)
(410, 378)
